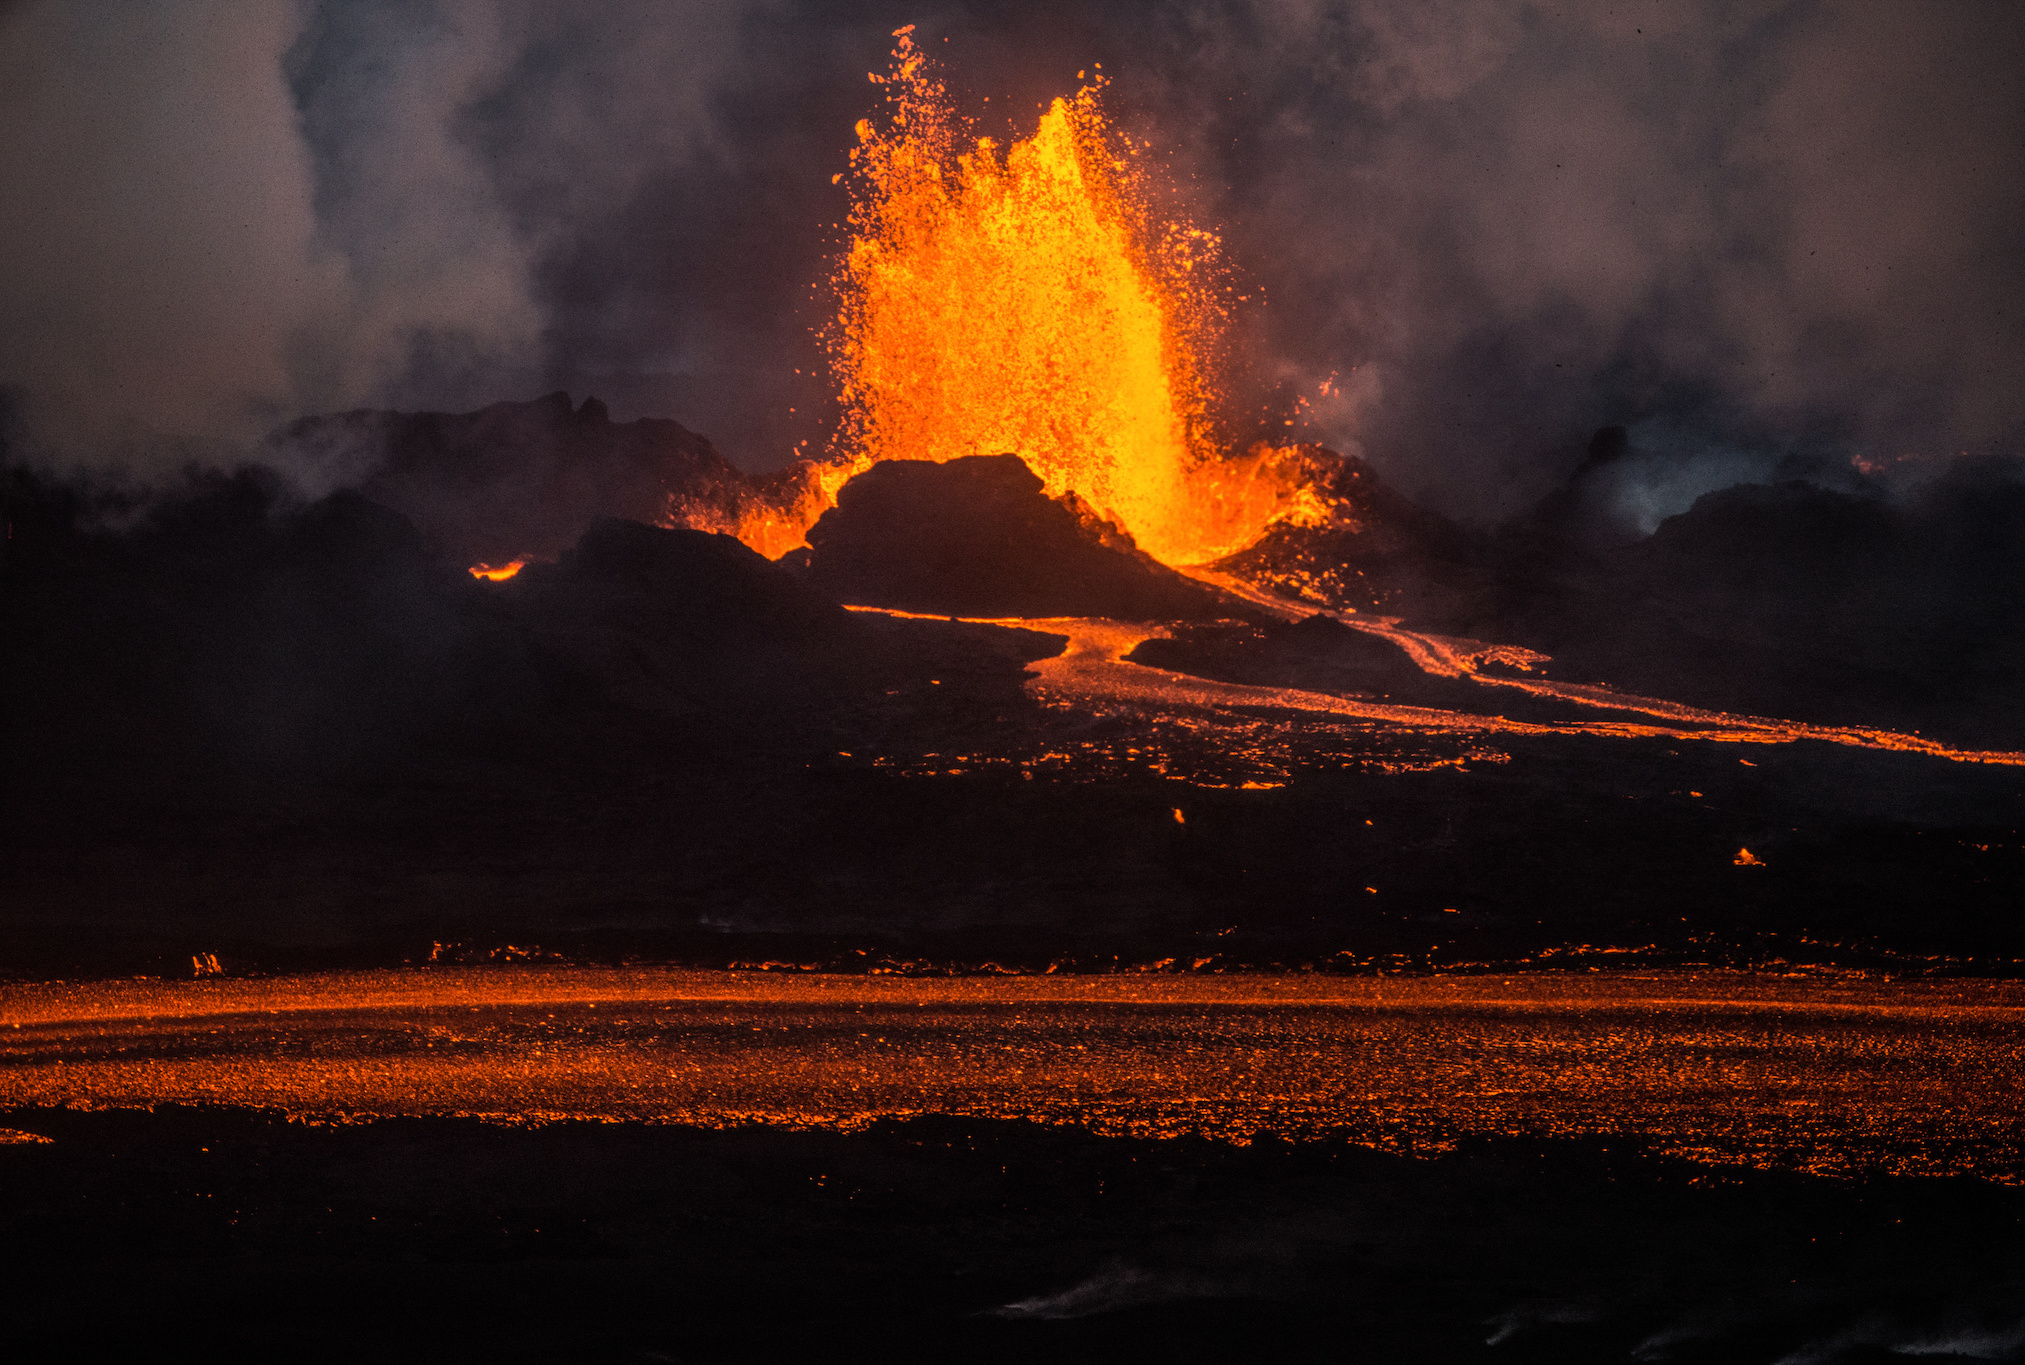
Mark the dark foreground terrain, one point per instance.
(248, 733)
(1002, 850)
(238, 1235)
(760, 1165)
(291, 735)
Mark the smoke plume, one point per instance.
(1743, 230)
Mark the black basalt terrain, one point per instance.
(1826, 600)
(978, 536)
(516, 480)
(942, 1238)
(228, 629)
(250, 734)
(285, 733)
(1377, 551)
(1830, 605)
(1321, 654)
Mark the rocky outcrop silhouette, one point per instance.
(229, 627)
(979, 536)
(516, 480)
(1377, 551)
(1796, 600)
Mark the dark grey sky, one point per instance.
(1743, 228)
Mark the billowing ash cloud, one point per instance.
(1789, 224)
(1743, 230)
(158, 247)
(224, 214)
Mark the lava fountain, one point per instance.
(1029, 299)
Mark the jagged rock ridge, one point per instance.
(516, 480)
(978, 536)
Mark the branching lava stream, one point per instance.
(1092, 674)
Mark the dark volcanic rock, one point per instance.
(1380, 551)
(668, 620)
(517, 480)
(1319, 654)
(451, 1240)
(238, 725)
(978, 537)
(225, 628)
(672, 620)
(1796, 600)
(222, 625)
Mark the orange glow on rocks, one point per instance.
(777, 520)
(498, 573)
(1027, 299)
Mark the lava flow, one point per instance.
(1915, 1076)
(1092, 674)
(1027, 299)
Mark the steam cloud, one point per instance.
(1114, 1287)
(1744, 229)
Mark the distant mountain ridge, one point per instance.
(1788, 598)
(517, 480)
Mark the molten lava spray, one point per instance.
(1026, 299)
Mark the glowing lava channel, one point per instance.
(1093, 674)
(1445, 656)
